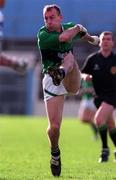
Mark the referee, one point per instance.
(102, 68)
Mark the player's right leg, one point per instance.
(104, 156)
(103, 113)
(112, 132)
(54, 109)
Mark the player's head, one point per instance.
(106, 40)
(52, 17)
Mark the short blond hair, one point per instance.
(51, 6)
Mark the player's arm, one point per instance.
(4, 61)
(13, 63)
(86, 77)
(91, 39)
(70, 33)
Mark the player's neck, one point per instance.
(106, 53)
(59, 29)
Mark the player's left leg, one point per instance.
(112, 132)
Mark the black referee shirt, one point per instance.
(103, 71)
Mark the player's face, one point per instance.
(106, 42)
(52, 20)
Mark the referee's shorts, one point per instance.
(109, 99)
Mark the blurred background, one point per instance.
(20, 21)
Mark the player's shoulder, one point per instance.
(41, 30)
(68, 25)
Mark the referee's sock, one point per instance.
(103, 134)
(112, 134)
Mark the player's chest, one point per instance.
(102, 67)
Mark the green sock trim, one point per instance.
(113, 131)
(102, 127)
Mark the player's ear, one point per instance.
(61, 17)
(100, 39)
(99, 44)
(113, 43)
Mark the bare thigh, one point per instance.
(87, 115)
(111, 122)
(54, 110)
(72, 80)
(103, 113)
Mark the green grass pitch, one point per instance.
(25, 155)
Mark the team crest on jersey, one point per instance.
(96, 67)
(113, 69)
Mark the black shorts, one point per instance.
(109, 99)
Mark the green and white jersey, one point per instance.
(52, 50)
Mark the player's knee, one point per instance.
(99, 122)
(74, 91)
(54, 128)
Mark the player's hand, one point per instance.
(86, 77)
(82, 29)
(95, 40)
